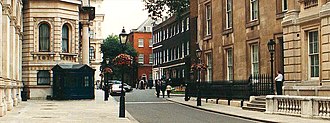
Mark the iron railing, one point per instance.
(256, 85)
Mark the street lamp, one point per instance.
(271, 49)
(198, 54)
(123, 36)
(106, 79)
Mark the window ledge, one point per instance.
(69, 54)
(252, 23)
(35, 54)
(207, 37)
(280, 15)
(42, 53)
(227, 31)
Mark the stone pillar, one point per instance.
(12, 61)
(307, 107)
(270, 107)
(18, 63)
(57, 41)
(2, 105)
(292, 47)
(325, 42)
(6, 53)
(85, 42)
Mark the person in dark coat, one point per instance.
(158, 87)
(163, 87)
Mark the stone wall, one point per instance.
(55, 14)
(10, 62)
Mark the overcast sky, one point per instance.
(119, 13)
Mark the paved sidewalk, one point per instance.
(239, 112)
(73, 111)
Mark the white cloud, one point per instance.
(119, 13)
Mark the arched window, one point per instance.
(65, 39)
(43, 77)
(91, 52)
(44, 40)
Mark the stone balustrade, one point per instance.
(304, 106)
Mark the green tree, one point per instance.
(110, 48)
(156, 8)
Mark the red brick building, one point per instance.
(141, 38)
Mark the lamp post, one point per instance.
(198, 54)
(106, 80)
(271, 49)
(123, 36)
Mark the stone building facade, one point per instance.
(96, 39)
(55, 31)
(233, 36)
(307, 48)
(10, 52)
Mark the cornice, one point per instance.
(325, 10)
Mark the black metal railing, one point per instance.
(256, 85)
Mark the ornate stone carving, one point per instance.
(7, 9)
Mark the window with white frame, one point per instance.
(254, 10)
(148, 29)
(187, 23)
(175, 53)
(43, 77)
(229, 14)
(167, 55)
(174, 30)
(313, 48)
(284, 5)
(167, 35)
(159, 36)
(159, 58)
(163, 56)
(182, 27)
(171, 32)
(209, 67)
(230, 72)
(91, 53)
(154, 60)
(182, 50)
(65, 38)
(188, 49)
(208, 14)
(141, 42)
(44, 38)
(150, 42)
(255, 59)
(141, 58)
(178, 28)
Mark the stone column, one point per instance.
(6, 53)
(85, 42)
(13, 64)
(18, 64)
(2, 105)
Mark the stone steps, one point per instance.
(256, 104)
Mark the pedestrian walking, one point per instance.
(158, 87)
(163, 87)
(168, 90)
(279, 83)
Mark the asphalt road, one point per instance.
(145, 107)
